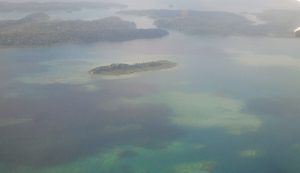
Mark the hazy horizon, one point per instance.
(227, 5)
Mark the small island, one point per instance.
(125, 69)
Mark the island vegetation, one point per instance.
(125, 69)
(218, 23)
(39, 29)
(55, 6)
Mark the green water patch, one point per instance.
(174, 157)
(207, 110)
(68, 125)
(266, 60)
(250, 153)
(13, 121)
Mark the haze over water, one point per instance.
(231, 106)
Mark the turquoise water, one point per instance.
(231, 106)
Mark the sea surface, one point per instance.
(231, 106)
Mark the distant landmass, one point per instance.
(280, 22)
(286, 20)
(39, 30)
(297, 32)
(55, 6)
(125, 69)
(218, 23)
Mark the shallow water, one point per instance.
(231, 106)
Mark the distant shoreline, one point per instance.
(31, 6)
(38, 29)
